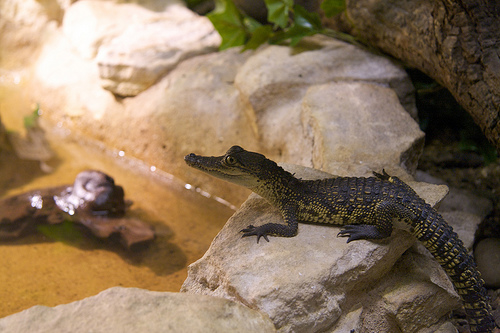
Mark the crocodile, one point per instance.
(365, 208)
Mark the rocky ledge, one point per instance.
(316, 282)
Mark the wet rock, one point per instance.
(317, 282)
(487, 255)
(134, 310)
(93, 201)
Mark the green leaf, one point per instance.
(333, 7)
(259, 37)
(32, 119)
(251, 24)
(278, 11)
(305, 24)
(228, 21)
(65, 232)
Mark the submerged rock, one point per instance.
(134, 310)
(316, 282)
(93, 201)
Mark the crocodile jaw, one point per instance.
(214, 166)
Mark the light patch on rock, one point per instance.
(135, 310)
(146, 50)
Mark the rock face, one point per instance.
(320, 104)
(316, 282)
(134, 310)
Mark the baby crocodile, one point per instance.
(365, 207)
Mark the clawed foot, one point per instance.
(361, 231)
(353, 232)
(383, 175)
(254, 231)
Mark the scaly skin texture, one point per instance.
(365, 207)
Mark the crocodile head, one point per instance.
(237, 166)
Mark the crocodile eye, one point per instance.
(230, 160)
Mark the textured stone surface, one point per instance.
(360, 123)
(134, 310)
(317, 282)
(275, 83)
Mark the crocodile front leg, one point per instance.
(289, 229)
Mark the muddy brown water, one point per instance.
(63, 265)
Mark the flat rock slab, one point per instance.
(316, 282)
(135, 310)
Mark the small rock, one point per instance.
(487, 255)
(134, 310)
(464, 224)
(466, 201)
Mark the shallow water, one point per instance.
(65, 265)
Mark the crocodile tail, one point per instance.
(440, 239)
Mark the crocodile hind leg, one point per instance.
(384, 213)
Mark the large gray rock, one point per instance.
(145, 51)
(316, 282)
(89, 24)
(136, 46)
(314, 103)
(134, 310)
